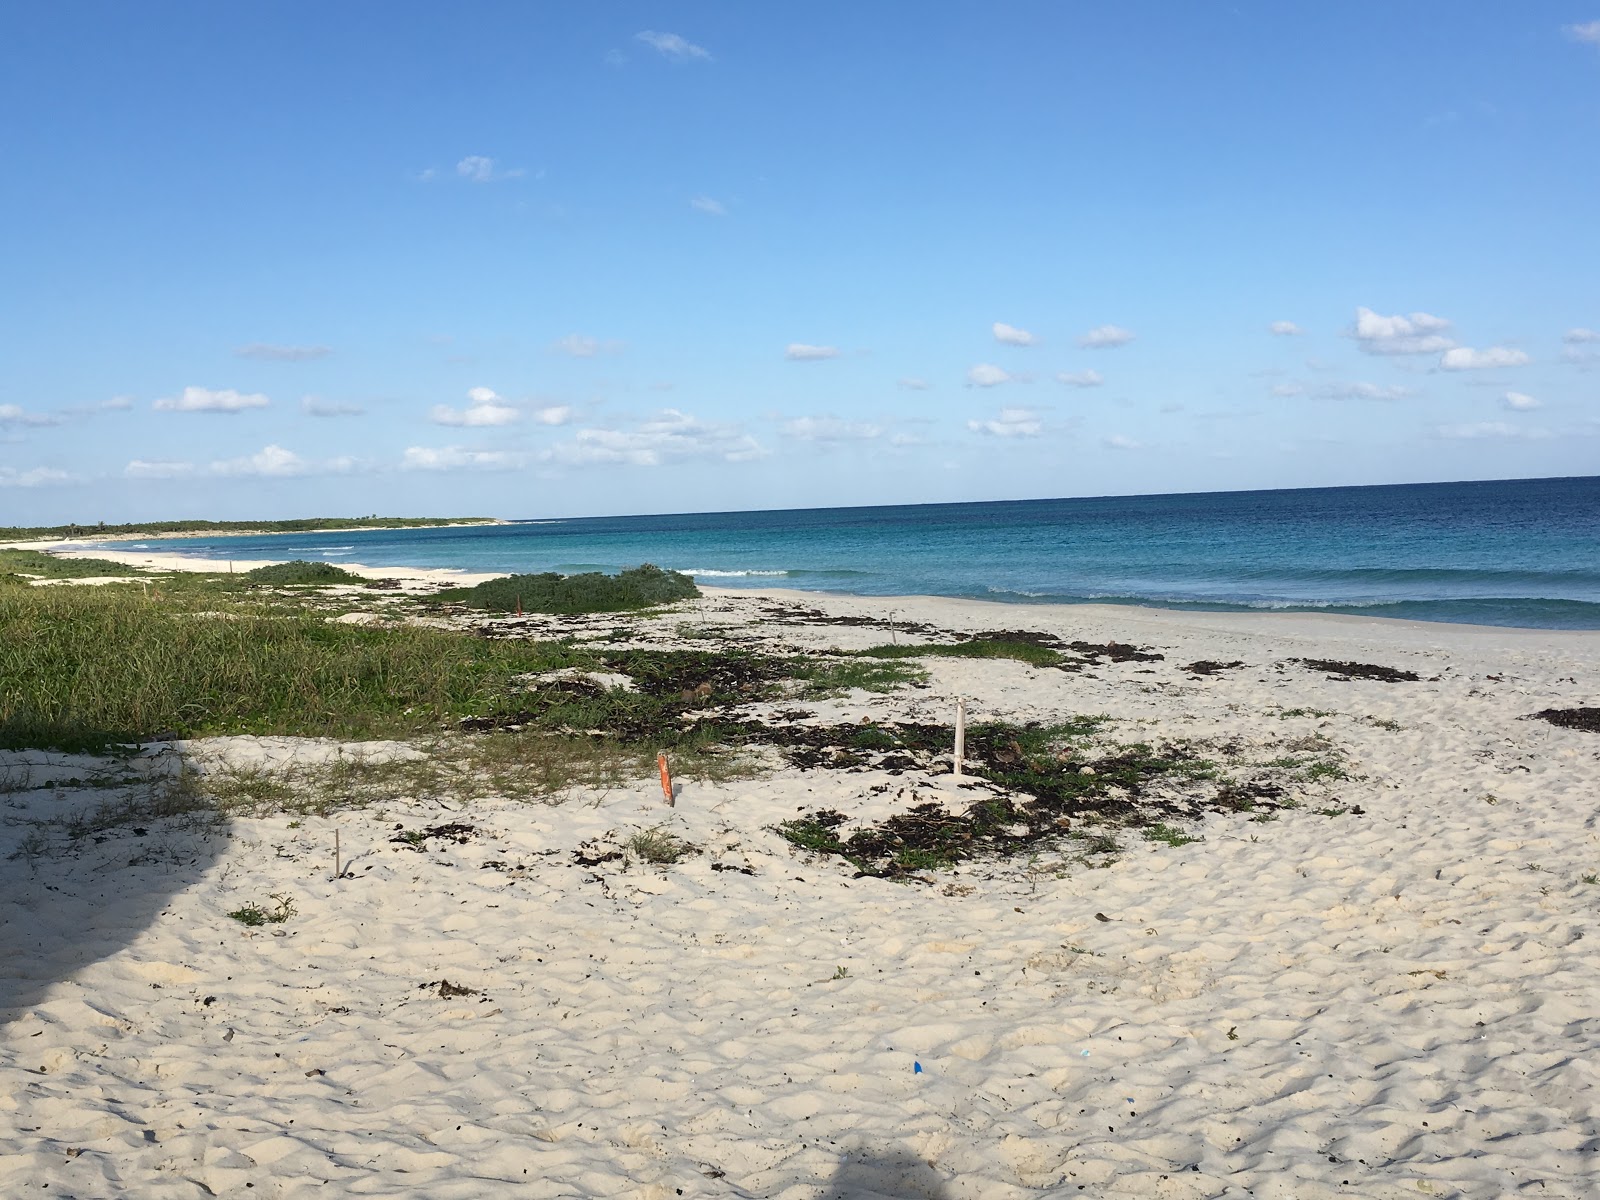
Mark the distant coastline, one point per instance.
(155, 530)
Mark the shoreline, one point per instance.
(1269, 620)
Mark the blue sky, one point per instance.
(291, 259)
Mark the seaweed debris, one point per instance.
(1207, 667)
(417, 838)
(1345, 671)
(1586, 719)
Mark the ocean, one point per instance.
(1516, 553)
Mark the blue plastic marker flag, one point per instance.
(916, 1068)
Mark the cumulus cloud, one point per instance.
(1587, 32)
(1120, 441)
(479, 168)
(1106, 337)
(274, 462)
(484, 407)
(1080, 379)
(1489, 429)
(199, 399)
(669, 436)
(1420, 333)
(12, 477)
(271, 352)
(1464, 358)
(1011, 422)
(554, 414)
(913, 383)
(1285, 329)
(1010, 335)
(1580, 336)
(581, 345)
(315, 406)
(672, 46)
(987, 375)
(800, 352)
(459, 458)
(829, 429)
(705, 204)
(1520, 402)
(14, 414)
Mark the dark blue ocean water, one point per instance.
(1522, 552)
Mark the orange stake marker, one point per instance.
(666, 779)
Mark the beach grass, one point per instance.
(47, 566)
(81, 669)
(1026, 652)
(301, 573)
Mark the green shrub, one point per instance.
(639, 587)
(32, 562)
(301, 572)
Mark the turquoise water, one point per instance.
(1522, 552)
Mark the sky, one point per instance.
(269, 260)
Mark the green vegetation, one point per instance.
(256, 914)
(301, 573)
(47, 566)
(593, 592)
(17, 533)
(82, 668)
(659, 847)
(834, 677)
(1162, 832)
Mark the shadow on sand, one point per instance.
(92, 849)
(884, 1174)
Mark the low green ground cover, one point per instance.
(639, 587)
(47, 566)
(300, 572)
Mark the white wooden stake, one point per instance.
(338, 868)
(961, 736)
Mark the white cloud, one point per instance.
(1520, 402)
(1579, 356)
(1106, 337)
(1288, 389)
(1119, 441)
(672, 46)
(1420, 333)
(800, 352)
(13, 414)
(987, 375)
(669, 436)
(458, 458)
(1580, 336)
(1489, 429)
(829, 429)
(1012, 422)
(555, 414)
(1285, 329)
(199, 399)
(315, 406)
(1364, 391)
(11, 477)
(272, 462)
(1080, 379)
(117, 404)
(912, 383)
(1011, 335)
(274, 353)
(705, 204)
(478, 168)
(484, 407)
(1464, 358)
(581, 345)
(141, 468)
(1588, 32)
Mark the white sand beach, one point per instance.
(1385, 990)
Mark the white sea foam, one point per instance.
(724, 574)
